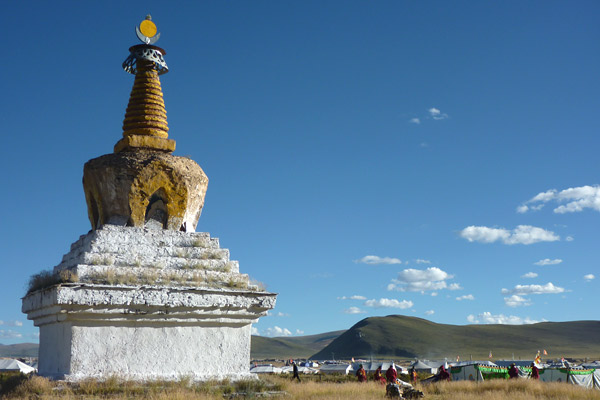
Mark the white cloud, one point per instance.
(569, 238)
(522, 234)
(354, 297)
(9, 334)
(299, 332)
(466, 297)
(589, 277)
(437, 114)
(429, 312)
(548, 288)
(277, 331)
(389, 303)
(280, 314)
(575, 199)
(373, 260)
(420, 261)
(11, 323)
(424, 144)
(417, 280)
(547, 261)
(489, 318)
(415, 121)
(516, 301)
(529, 275)
(254, 331)
(354, 310)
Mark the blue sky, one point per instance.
(433, 159)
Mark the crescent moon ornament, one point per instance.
(147, 31)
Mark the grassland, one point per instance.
(311, 387)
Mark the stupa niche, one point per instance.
(142, 296)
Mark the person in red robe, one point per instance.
(378, 377)
(535, 372)
(443, 375)
(391, 374)
(513, 372)
(361, 374)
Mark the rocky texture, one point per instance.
(144, 188)
(148, 304)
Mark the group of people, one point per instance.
(390, 375)
(513, 371)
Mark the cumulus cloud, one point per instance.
(415, 121)
(389, 303)
(547, 261)
(417, 280)
(374, 260)
(522, 234)
(529, 275)
(354, 310)
(466, 297)
(299, 332)
(354, 297)
(277, 331)
(254, 331)
(11, 323)
(571, 200)
(437, 114)
(589, 277)
(516, 301)
(548, 288)
(489, 318)
(420, 261)
(429, 312)
(9, 334)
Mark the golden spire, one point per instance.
(145, 124)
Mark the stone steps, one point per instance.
(138, 256)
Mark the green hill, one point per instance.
(290, 347)
(398, 336)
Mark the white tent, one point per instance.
(301, 370)
(336, 369)
(265, 369)
(10, 365)
(420, 366)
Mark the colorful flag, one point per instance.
(457, 358)
(545, 352)
(490, 356)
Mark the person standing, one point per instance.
(535, 372)
(361, 374)
(391, 374)
(513, 372)
(295, 370)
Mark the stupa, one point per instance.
(142, 295)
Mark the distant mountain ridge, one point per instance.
(290, 347)
(19, 350)
(398, 336)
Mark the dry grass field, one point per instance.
(17, 387)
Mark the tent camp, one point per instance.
(589, 378)
(10, 365)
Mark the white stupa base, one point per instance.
(193, 322)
